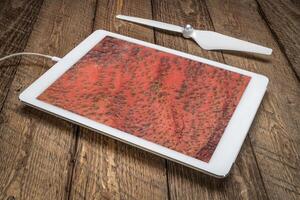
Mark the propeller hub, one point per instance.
(187, 31)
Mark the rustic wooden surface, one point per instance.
(42, 157)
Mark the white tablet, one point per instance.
(188, 109)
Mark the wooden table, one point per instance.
(43, 157)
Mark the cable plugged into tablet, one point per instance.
(53, 58)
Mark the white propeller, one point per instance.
(208, 40)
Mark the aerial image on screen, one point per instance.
(169, 100)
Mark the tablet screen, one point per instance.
(169, 100)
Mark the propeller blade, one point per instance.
(210, 40)
(152, 23)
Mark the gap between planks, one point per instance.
(13, 64)
(276, 38)
(251, 145)
(79, 139)
(76, 131)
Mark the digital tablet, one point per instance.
(188, 109)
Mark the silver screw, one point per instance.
(187, 31)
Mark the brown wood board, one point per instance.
(106, 168)
(184, 182)
(283, 19)
(36, 148)
(43, 157)
(275, 132)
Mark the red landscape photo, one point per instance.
(172, 101)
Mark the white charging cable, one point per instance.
(53, 58)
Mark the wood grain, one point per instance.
(16, 21)
(244, 182)
(106, 168)
(283, 17)
(275, 133)
(36, 148)
(42, 157)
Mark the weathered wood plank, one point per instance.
(244, 182)
(16, 21)
(105, 168)
(36, 148)
(275, 133)
(283, 17)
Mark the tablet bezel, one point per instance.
(229, 144)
